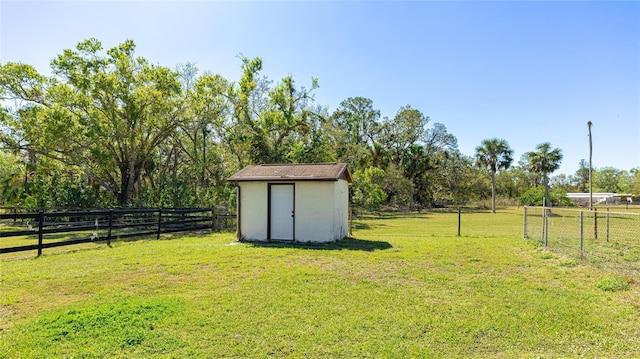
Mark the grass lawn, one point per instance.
(404, 286)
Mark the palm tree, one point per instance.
(543, 161)
(496, 155)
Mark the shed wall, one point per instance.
(341, 210)
(314, 211)
(253, 211)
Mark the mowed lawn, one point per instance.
(404, 286)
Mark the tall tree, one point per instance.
(406, 129)
(288, 121)
(494, 154)
(12, 175)
(608, 179)
(563, 182)
(634, 173)
(513, 181)
(113, 111)
(581, 177)
(542, 162)
(456, 180)
(242, 133)
(191, 171)
(357, 126)
(415, 164)
(438, 139)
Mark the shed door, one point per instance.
(281, 211)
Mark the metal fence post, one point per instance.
(351, 213)
(526, 236)
(595, 223)
(40, 225)
(544, 217)
(546, 229)
(581, 233)
(607, 224)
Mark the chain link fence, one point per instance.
(607, 239)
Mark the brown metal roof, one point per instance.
(294, 172)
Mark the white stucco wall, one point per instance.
(341, 210)
(314, 211)
(253, 211)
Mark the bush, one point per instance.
(612, 284)
(367, 192)
(534, 196)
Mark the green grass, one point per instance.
(613, 284)
(404, 286)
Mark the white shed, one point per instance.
(293, 202)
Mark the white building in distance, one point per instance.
(582, 199)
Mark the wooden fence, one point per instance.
(56, 229)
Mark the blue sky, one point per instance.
(528, 72)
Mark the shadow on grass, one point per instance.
(367, 224)
(424, 213)
(360, 225)
(348, 243)
(63, 248)
(389, 215)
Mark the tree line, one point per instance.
(110, 128)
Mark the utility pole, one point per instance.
(590, 168)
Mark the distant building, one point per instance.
(582, 199)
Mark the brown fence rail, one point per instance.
(56, 229)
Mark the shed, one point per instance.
(293, 202)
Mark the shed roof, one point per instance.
(294, 172)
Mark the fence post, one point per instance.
(96, 235)
(546, 229)
(350, 221)
(607, 224)
(581, 233)
(595, 223)
(159, 223)
(525, 223)
(110, 225)
(214, 220)
(544, 214)
(40, 225)
(458, 221)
